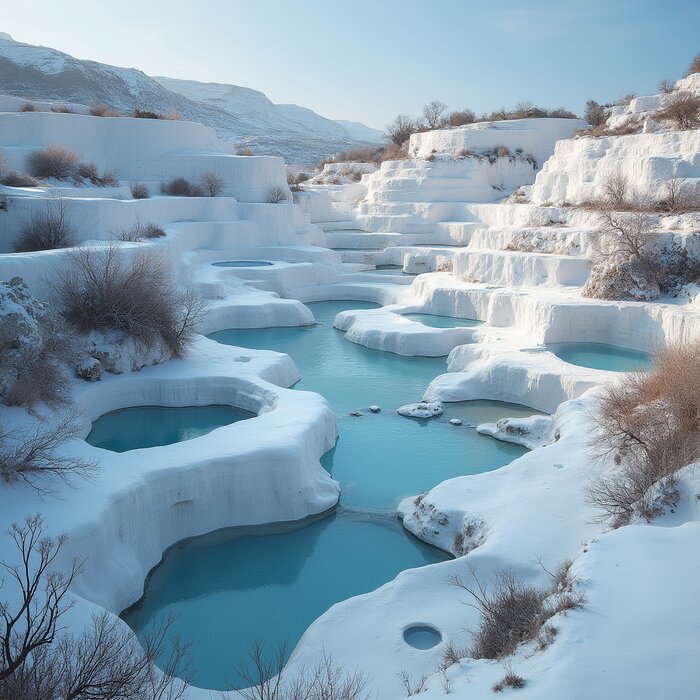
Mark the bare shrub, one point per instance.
(38, 373)
(666, 86)
(401, 129)
(105, 662)
(15, 179)
(616, 190)
(624, 263)
(434, 115)
(266, 679)
(510, 680)
(694, 65)
(107, 290)
(172, 116)
(244, 151)
(100, 110)
(35, 456)
(453, 655)
(682, 110)
(47, 229)
(180, 187)
(678, 197)
(139, 190)
(139, 231)
(43, 595)
(212, 184)
(512, 612)
(28, 107)
(411, 687)
(62, 110)
(277, 195)
(57, 162)
(501, 151)
(625, 99)
(461, 117)
(146, 114)
(89, 172)
(648, 425)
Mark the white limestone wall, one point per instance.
(534, 137)
(150, 150)
(579, 168)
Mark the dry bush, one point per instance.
(244, 151)
(15, 179)
(62, 110)
(28, 107)
(401, 129)
(266, 680)
(648, 424)
(100, 110)
(411, 687)
(38, 661)
(453, 655)
(694, 65)
(145, 114)
(678, 197)
(106, 289)
(434, 115)
(39, 373)
(625, 99)
(666, 86)
(512, 612)
(138, 232)
(180, 187)
(501, 151)
(212, 184)
(57, 162)
(616, 190)
(89, 172)
(461, 117)
(139, 190)
(172, 116)
(682, 109)
(47, 229)
(35, 456)
(510, 680)
(277, 195)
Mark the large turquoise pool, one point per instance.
(601, 356)
(151, 426)
(233, 587)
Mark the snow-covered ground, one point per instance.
(518, 268)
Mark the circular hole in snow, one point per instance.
(422, 636)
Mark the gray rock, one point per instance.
(89, 369)
(426, 409)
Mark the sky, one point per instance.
(368, 60)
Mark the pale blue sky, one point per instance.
(368, 60)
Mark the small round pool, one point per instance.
(422, 636)
(435, 321)
(602, 356)
(153, 426)
(242, 263)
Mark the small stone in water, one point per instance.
(356, 413)
(375, 409)
(455, 421)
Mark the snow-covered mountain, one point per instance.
(361, 131)
(238, 114)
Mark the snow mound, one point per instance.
(430, 409)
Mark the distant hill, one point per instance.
(240, 115)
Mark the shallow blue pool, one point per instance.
(242, 263)
(601, 356)
(422, 636)
(436, 321)
(151, 426)
(233, 587)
